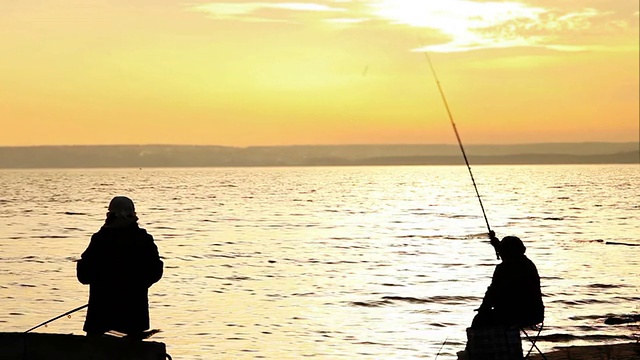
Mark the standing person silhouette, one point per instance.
(514, 297)
(119, 265)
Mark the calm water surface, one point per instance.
(330, 263)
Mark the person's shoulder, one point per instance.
(142, 232)
(102, 232)
(501, 266)
(528, 264)
(101, 238)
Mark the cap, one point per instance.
(122, 205)
(512, 245)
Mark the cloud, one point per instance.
(472, 25)
(468, 24)
(348, 20)
(251, 11)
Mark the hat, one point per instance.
(122, 206)
(512, 245)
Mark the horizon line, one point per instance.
(326, 145)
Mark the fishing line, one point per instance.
(464, 154)
(58, 317)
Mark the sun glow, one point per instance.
(465, 22)
(282, 72)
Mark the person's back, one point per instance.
(120, 264)
(514, 296)
(518, 300)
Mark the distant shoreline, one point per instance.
(628, 159)
(159, 156)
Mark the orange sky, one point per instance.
(246, 73)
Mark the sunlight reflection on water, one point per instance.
(336, 262)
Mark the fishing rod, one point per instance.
(58, 317)
(443, 344)
(464, 154)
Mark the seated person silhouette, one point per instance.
(119, 265)
(514, 297)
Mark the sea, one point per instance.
(385, 262)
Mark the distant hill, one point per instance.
(314, 155)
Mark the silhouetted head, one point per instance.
(122, 206)
(121, 212)
(511, 246)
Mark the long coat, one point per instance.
(119, 265)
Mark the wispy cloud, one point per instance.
(251, 11)
(468, 24)
(481, 25)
